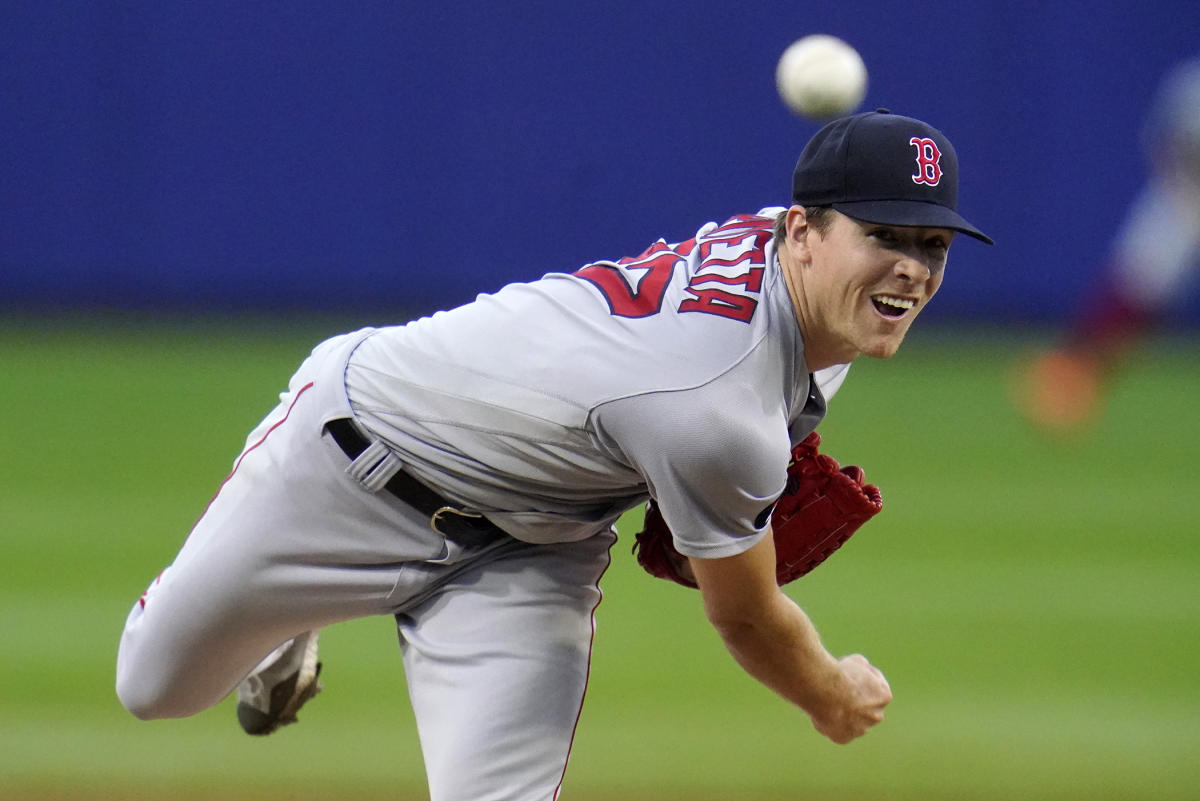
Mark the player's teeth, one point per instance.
(902, 303)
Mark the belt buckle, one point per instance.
(449, 510)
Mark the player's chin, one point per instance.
(884, 346)
(881, 335)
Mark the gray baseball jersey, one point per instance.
(556, 405)
(552, 406)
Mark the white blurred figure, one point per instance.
(1152, 258)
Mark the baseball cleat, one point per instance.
(271, 696)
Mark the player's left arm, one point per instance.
(774, 641)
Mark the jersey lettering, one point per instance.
(710, 300)
(734, 259)
(634, 287)
(730, 255)
(929, 167)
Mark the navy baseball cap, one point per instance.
(883, 168)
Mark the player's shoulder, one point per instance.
(763, 219)
(743, 239)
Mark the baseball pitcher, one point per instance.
(464, 472)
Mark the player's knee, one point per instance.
(152, 700)
(139, 699)
(137, 706)
(144, 696)
(147, 690)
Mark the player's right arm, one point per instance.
(774, 641)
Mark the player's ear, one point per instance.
(798, 230)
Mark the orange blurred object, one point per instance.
(1060, 391)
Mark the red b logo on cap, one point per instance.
(929, 168)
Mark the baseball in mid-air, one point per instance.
(821, 77)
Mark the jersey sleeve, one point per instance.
(714, 470)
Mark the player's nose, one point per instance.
(912, 268)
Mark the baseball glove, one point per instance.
(822, 505)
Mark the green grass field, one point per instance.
(1035, 605)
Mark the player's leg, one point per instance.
(1063, 390)
(289, 544)
(497, 665)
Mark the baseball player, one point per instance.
(1153, 257)
(464, 473)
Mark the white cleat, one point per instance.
(271, 696)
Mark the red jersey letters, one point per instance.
(726, 283)
(635, 287)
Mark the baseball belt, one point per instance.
(444, 517)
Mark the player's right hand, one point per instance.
(857, 704)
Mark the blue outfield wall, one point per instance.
(399, 157)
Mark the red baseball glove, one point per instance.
(822, 505)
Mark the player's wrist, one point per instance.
(826, 687)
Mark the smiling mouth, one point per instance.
(892, 305)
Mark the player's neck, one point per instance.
(815, 357)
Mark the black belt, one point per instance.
(444, 517)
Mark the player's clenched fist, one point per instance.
(858, 703)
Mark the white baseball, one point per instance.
(821, 77)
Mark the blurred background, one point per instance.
(196, 193)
